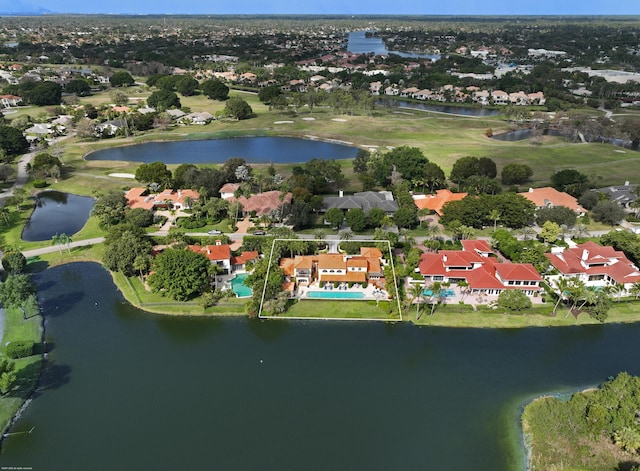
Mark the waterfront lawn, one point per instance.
(135, 292)
(27, 369)
(325, 309)
(462, 315)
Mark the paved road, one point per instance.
(56, 248)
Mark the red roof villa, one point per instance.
(484, 274)
(138, 198)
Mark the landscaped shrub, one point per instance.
(189, 223)
(39, 183)
(20, 349)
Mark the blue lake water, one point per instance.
(253, 149)
(359, 43)
(448, 109)
(57, 213)
(128, 390)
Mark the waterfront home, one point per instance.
(484, 274)
(367, 267)
(169, 199)
(548, 197)
(596, 265)
(219, 255)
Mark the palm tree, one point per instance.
(617, 289)
(66, 241)
(346, 235)
(494, 215)
(417, 292)
(561, 285)
(55, 240)
(436, 295)
(4, 212)
(635, 289)
(526, 232)
(580, 231)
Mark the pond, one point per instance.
(359, 43)
(522, 134)
(448, 109)
(57, 213)
(260, 150)
(131, 390)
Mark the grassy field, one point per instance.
(340, 310)
(27, 369)
(442, 138)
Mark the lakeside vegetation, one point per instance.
(595, 430)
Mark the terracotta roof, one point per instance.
(213, 252)
(480, 272)
(244, 257)
(593, 259)
(329, 261)
(229, 187)
(357, 262)
(136, 199)
(480, 246)
(349, 277)
(437, 201)
(287, 265)
(547, 196)
(371, 252)
(263, 203)
(303, 262)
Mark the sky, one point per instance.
(346, 7)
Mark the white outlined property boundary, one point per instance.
(393, 270)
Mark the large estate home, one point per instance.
(548, 197)
(168, 199)
(595, 265)
(624, 195)
(220, 255)
(483, 273)
(365, 200)
(336, 268)
(436, 201)
(259, 204)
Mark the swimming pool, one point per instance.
(334, 295)
(238, 287)
(447, 293)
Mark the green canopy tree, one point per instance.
(215, 90)
(14, 262)
(122, 253)
(334, 216)
(154, 172)
(180, 273)
(121, 79)
(109, 208)
(16, 289)
(237, 108)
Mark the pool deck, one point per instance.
(370, 293)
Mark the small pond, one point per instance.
(57, 213)
(449, 109)
(259, 150)
(522, 134)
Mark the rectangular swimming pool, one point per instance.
(334, 295)
(446, 293)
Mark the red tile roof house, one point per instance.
(484, 274)
(261, 203)
(595, 265)
(137, 198)
(548, 197)
(219, 254)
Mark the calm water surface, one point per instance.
(57, 213)
(359, 43)
(448, 109)
(252, 149)
(129, 390)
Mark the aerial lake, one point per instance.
(359, 43)
(57, 213)
(262, 150)
(447, 109)
(128, 390)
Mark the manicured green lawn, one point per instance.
(27, 369)
(340, 310)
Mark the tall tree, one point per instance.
(180, 273)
